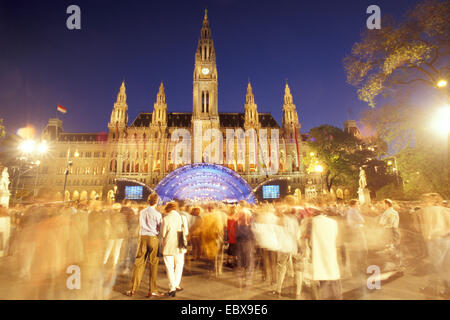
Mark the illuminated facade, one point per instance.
(143, 150)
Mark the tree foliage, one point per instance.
(415, 50)
(421, 155)
(340, 153)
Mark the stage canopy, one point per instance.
(204, 182)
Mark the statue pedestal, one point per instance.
(364, 196)
(4, 198)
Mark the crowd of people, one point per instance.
(319, 244)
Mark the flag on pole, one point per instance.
(61, 109)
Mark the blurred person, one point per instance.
(15, 214)
(245, 241)
(231, 237)
(267, 232)
(26, 244)
(7, 215)
(356, 244)
(289, 250)
(219, 258)
(51, 256)
(212, 229)
(119, 232)
(390, 220)
(173, 223)
(418, 240)
(433, 221)
(325, 268)
(78, 229)
(99, 229)
(150, 224)
(185, 210)
(195, 233)
(131, 213)
(340, 207)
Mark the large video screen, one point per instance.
(134, 192)
(271, 192)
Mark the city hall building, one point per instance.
(142, 151)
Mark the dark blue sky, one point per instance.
(43, 64)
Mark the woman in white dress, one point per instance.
(173, 223)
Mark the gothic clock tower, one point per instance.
(205, 80)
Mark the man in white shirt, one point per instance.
(390, 220)
(150, 223)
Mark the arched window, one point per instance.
(207, 102)
(113, 166)
(203, 101)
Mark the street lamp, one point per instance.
(42, 147)
(319, 169)
(441, 121)
(67, 171)
(30, 149)
(441, 83)
(27, 146)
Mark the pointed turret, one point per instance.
(159, 116)
(122, 96)
(251, 109)
(205, 49)
(249, 98)
(290, 116)
(119, 115)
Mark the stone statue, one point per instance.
(362, 179)
(363, 192)
(4, 182)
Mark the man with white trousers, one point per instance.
(173, 222)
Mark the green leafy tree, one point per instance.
(415, 50)
(340, 153)
(421, 155)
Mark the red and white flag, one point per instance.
(61, 109)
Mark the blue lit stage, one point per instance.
(204, 182)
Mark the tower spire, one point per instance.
(290, 116)
(161, 96)
(251, 109)
(122, 96)
(287, 95)
(205, 77)
(119, 115)
(250, 98)
(159, 115)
